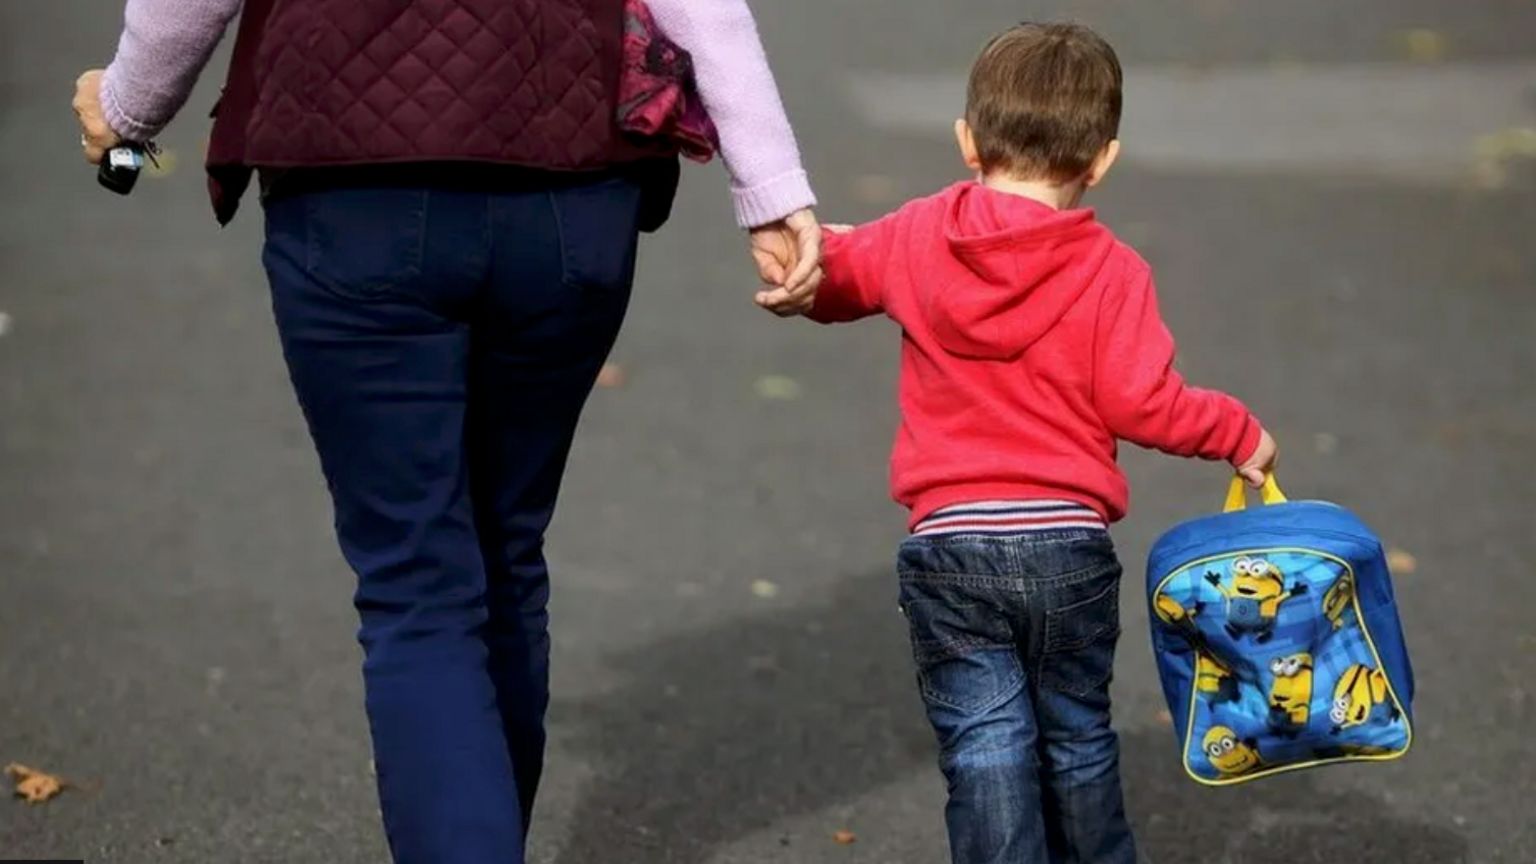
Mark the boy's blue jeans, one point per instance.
(442, 341)
(1014, 639)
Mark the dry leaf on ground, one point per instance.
(1422, 45)
(764, 589)
(1164, 718)
(32, 785)
(1400, 562)
(875, 188)
(163, 165)
(844, 837)
(611, 376)
(778, 387)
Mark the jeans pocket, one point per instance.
(966, 661)
(599, 226)
(1080, 631)
(365, 243)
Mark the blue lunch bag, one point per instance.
(1277, 639)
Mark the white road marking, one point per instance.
(1409, 121)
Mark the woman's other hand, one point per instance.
(788, 256)
(96, 137)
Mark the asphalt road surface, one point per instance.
(1341, 218)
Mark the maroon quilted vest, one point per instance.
(347, 82)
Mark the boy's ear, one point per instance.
(967, 141)
(1102, 163)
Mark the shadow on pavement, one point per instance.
(726, 732)
(1282, 820)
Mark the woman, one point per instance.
(451, 222)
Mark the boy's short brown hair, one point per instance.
(1043, 100)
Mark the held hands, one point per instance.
(788, 256)
(1262, 462)
(96, 137)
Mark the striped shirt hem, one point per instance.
(1006, 518)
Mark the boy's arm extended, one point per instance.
(854, 263)
(1144, 400)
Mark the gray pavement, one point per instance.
(175, 628)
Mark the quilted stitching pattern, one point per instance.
(381, 80)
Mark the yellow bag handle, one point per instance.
(1237, 493)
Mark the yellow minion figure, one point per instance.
(1228, 755)
(1338, 599)
(1290, 695)
(1213, 678)
(1171, 612)
(1360, 691)
(1254, 597)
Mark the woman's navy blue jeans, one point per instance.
(442, 341)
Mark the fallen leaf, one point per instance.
(612, 376)
(764, 589)
(1495, 154)
(777, 387)
(763, 664)
(1164, 717)
(844, 837)
(163, 165)
(874, 188)
(1400, 562)
(32, 785)
(1422, 44)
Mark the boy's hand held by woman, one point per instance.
(788, 257)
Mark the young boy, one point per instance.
(1031, 345)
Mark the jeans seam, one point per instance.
(565, 263)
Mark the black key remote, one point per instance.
(121, 166)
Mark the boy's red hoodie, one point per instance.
(1031, 343)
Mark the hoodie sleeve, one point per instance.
(1144, 400)
(854, 266)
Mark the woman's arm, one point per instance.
(756, 142)
(164, 47)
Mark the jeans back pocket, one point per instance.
(966, 655)
(365, 243)
(1081, 627)
(599, 226)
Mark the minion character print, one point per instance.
(1290, 696)
(1230, 755)
(1254, 597)
(1360, 696)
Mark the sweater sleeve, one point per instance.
(853, 266)
(164, 47)
(738, 90)
(1144, 400)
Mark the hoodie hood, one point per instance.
(1030, 264)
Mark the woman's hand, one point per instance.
(96, 137)
(788, 256)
